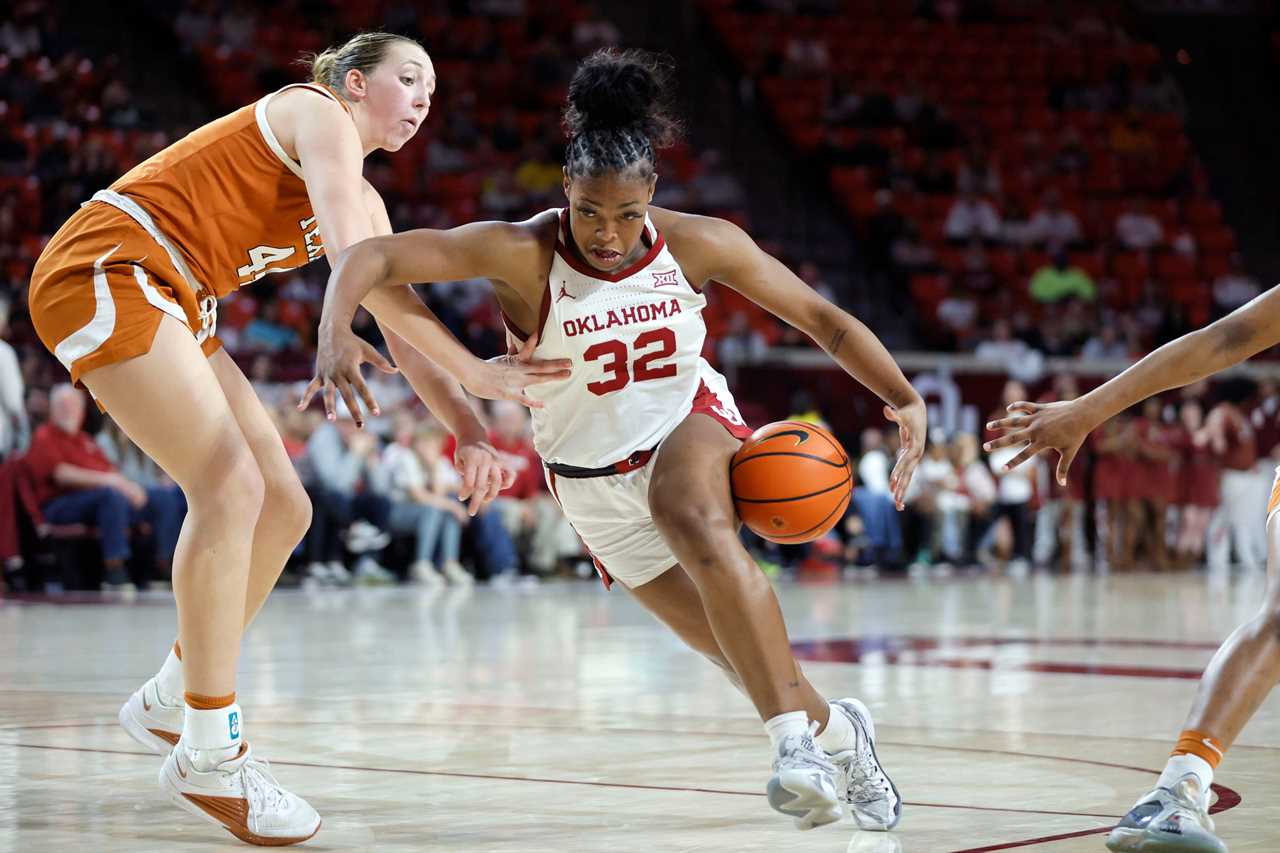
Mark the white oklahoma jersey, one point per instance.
(635, 340)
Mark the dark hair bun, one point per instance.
(622, 90)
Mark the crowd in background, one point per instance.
(1015, 240)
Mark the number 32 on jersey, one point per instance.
(654, 345)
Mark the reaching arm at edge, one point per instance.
(1243, 333)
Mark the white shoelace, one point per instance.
(866, 781)
(267, 795)
(800, 752)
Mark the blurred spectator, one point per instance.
(1072, 157)
(978, 173)
(1012, 354)
(1239, 525)
(1053, 226)
(1235, 287)
(884, 228)
(531, 515)
(1200, 493)
(741, 344)
(976, 273)
(76, 484)
(419, 507)
(1159, 467)
(910, 253)
(1131, 137)
(715, 188)
(978, 490)
(972, 217)
(958, 316)
(1060, 280)
(1014, 489)
(539, 173)
(1017, 230)
(1059, 526)
(1106, 343)
(1114, 475)
(874, 501)
(1159, 93)
(340, 472)
(593, 31)
(15, 428)
(805, 54)
(1137, 229)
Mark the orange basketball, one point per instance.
(792, 482)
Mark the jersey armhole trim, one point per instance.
(543, 311)
(269, 136)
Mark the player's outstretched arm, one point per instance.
(375, 269)
(1063, 426)
(728, 255)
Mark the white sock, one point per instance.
(212, 737)
(1181, 765)
(785, 725)
(839, 734)
(169, 680)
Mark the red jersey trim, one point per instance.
(569, 253)
(543, 311)
(600, 569)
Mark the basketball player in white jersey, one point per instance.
(637, 442)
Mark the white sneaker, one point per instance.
(422, 572)
(457, 575)
(803, 783)
(241, 796)
(319, 572)
(151, 722)
(370, 573)
(1168, 820)
(870, 793)
(363, 536)
(339, 574)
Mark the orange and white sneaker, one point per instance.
(151, 722)
(241, 796)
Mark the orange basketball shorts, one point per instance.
(100, 287)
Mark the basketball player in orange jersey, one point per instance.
(125, 295)
(637, 442)
(1174, 816)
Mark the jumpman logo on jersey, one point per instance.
(666, 279)
(564, 291)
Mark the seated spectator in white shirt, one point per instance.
(1235, 287)
(1053, 226)
(972, 217)
(1137, 230)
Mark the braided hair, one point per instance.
(617, 114)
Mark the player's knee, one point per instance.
(688, 521)
(288, 504)
(232, 485)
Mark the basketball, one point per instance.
(791, 481)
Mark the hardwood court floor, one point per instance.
(1013, 715)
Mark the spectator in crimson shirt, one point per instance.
(76, 484)
(529, 513)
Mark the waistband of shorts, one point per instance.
(135, 212)
(639, 459)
